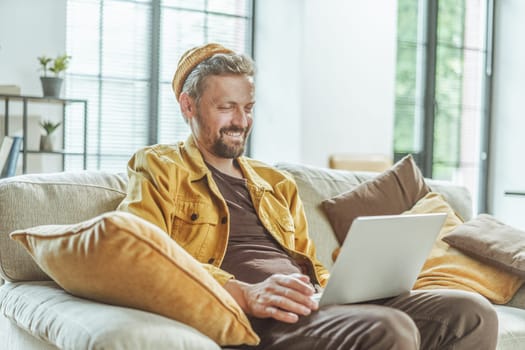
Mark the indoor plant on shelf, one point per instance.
(51, 85)
(46, 141)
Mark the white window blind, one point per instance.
(114, 58)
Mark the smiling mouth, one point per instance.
(237, 134)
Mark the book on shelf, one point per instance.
(9, 153)
(4, 151)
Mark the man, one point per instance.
(244, 221)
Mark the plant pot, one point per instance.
(51, 86)
(47, 143)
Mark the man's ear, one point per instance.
(187, 106)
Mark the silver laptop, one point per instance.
(381, 257)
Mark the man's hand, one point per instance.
(282, 297)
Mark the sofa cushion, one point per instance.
(392, 192)
(122, 259)
(490, 240)
(47, 312)
(447, 267)
(40, 199)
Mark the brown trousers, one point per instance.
(437, 319)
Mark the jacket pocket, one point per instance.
(286, 228)
(192, 223)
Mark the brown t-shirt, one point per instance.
(252, 254)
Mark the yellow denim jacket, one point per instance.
(170, 186)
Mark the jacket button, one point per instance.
(211, 261)
(194, 216)
(224, 220)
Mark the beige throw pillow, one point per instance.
(121, 259)
(391, 192)
(447, 267)
(489, 240)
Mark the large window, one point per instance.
(441, 84)
(124, 54)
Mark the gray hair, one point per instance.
(218, 64)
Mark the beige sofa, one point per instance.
(35, 313)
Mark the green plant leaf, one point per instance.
(49, 126)
(44, 61)
(59, 64)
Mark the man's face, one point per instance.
(223, 117)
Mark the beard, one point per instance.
(225, 150)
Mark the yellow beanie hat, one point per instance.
(190, 59)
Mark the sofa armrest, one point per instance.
(52, 198)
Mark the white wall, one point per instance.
(278, 55)
(339, 66)
(508, 116)
(28, 29)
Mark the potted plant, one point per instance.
(46, 141)
(51, 85)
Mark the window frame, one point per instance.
(428, 64)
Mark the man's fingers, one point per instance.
(283, 303)
(294, 289)
(299, 298)
(302, 277)
(298, 282)
(265, 311)
(282, 297)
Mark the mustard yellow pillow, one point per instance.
(121, 259)
(447, 267)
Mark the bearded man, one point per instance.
(244, 221)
